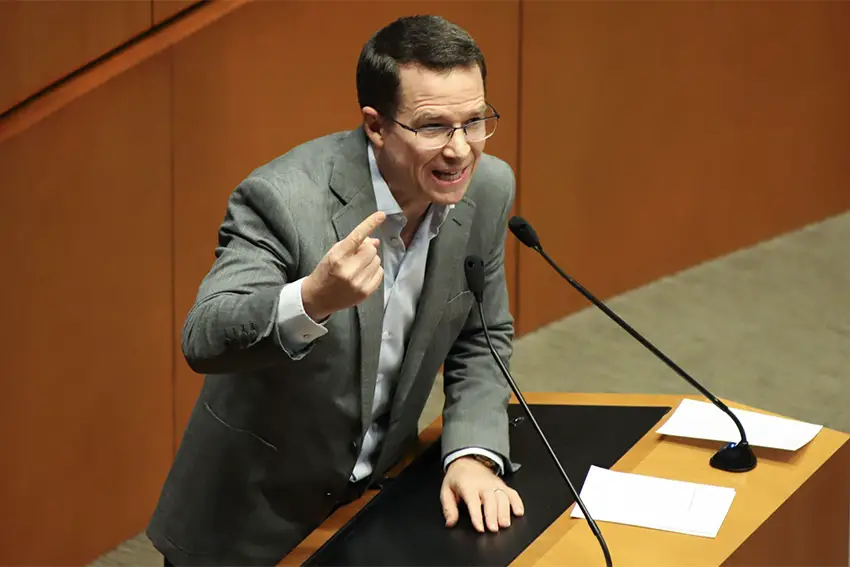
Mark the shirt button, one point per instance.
(386, 335)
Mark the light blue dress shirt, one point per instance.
(404, 274)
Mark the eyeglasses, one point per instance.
(436, 137)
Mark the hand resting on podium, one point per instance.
(489, 500)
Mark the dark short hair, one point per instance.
(430, 41)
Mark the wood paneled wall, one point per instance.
(42, 42)
(647, 137)
(161, 10)
(656, 135)
(87, 345)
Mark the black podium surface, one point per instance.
(404, 525)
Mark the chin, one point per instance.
(443, 197)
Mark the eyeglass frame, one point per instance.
(415, 131)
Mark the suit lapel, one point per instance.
(352, 183)
(445, 264)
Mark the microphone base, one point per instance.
(734, 457)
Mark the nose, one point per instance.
(458, 147)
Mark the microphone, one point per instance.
(474, 268)
(734, 457)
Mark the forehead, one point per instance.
(440, 92)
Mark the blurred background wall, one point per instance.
(647, 138)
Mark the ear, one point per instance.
(373, 126)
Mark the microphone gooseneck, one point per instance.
(734, 457)
(474, 269)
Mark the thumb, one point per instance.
(449, 501)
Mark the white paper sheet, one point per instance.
(657, 503)
(704, 420)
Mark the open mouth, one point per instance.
(449, 176)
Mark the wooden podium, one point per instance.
(793, 509)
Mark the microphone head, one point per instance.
(473, 267)
(523, 231)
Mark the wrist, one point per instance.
(312, 307)
(476, 460)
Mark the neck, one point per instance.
(412, 209)
(415, 212)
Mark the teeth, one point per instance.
(448, 175)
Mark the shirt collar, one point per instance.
(386, 202)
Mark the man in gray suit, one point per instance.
(337, 292)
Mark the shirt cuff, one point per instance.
(475, 451)
(295, 329)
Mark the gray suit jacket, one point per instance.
(274, 435)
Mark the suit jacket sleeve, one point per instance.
(232, 325)
(475, 411)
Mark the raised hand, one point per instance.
(349, 273)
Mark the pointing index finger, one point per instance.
(364, 229)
